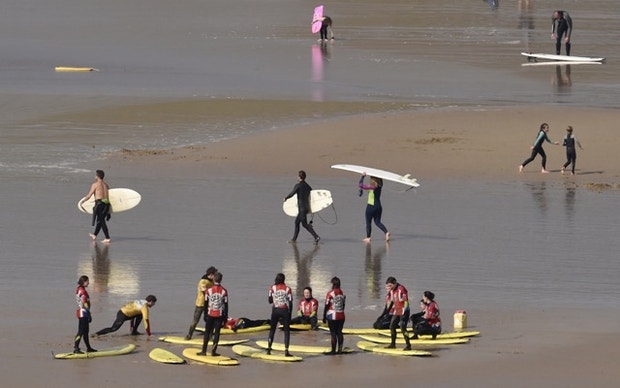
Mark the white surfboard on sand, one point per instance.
(387, 175)
(120, 201)
(562, 58)
(319, 200)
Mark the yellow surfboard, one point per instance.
(74, 69)
(379, 348)
(115, 351)
(192, 354)
(165, 356)
(301, 348)
(239, 331)
(248, 351)
(379, 339)
(454, 334)
(198, 341)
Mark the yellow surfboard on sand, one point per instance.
(192, 354)
(379, 348)
(239, 331)
(248, 351)
(115, 351)
(66, 69)
(301, 348)
(198, 341)
(380, 339)
(165, 356)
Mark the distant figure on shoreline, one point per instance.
(538, 149)
(570, 141)
(561, 25)
(326, 27)
(101, 211)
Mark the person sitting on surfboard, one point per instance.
(101, 211)
(431, 322)
(561, 25)
(133, 311)
(307, 310)
(302, 189)
(373, 207)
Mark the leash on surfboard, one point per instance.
(322, 219)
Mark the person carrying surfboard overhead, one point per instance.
(101, 211)
(561, 25)
(302, 189)
(374, 209)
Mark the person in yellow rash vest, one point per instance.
(134, 311)
(203, 284)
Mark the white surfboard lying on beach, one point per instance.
(560, 63)
(120, 201)
(387, 175)
(562, 58)
(319, 200)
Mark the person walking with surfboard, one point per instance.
(302, 189)
(374, 209)
(101, 211)
(561, 26)
(538, 149)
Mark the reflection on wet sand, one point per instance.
(113, 278)
(372, 267)
(321, 54)
(301, 273)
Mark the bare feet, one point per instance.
(562, 170)
(520, 169)
(92, 236)
(106, 241)
(366, 240)
(387, 236)
(543, 171)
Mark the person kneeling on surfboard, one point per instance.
(302, 189)
(133, 311)
(307, 310)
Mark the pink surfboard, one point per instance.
(316, 19)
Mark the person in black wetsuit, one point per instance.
(570, 142)
(326, 27)
(302, 189)
(374, 209)
(538, 149)
(101, 210)
(561, 26)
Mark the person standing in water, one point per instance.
(561, 26)
(326, 27)
(302, 189)
(538, 149)
(570, 142)
(84, 316)
(374, 209)
(101, 211)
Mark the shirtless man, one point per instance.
(101, 211)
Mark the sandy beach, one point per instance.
(210, 110)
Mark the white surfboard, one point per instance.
(319, 200)
(560, 63)
(562, 58)
(387, 175)
(120, 201)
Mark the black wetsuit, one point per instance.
(302, 189)
(560, 27)
(571, 151)
(325, 25)
(538, 149)
(101, 212)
